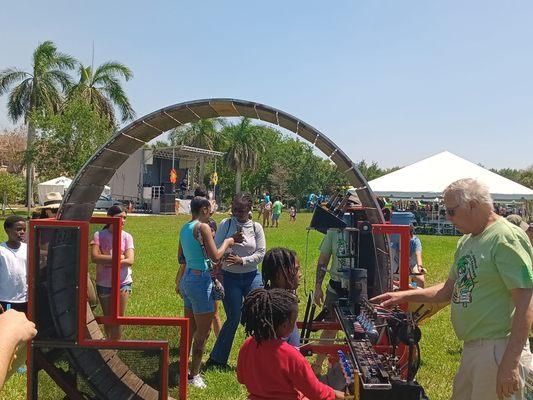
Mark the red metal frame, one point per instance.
(33, 263)
(404, 231)
(114, 318)
(384, 347)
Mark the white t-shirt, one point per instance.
(13, 272)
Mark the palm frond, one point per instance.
(10, 76)
(117, 95)
(112, 69)
(18, 103)
(62, 78)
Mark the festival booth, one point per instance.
(426, 179)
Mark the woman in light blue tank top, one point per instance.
(194, 283)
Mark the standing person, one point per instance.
(101, 255)
(490, 287)
(276, 211)
(216, 275)
(267, 211)
(260, 207)
(14, 265)
(196, 284)
(267, 365)
(292, 214)
(416, 267)
(240, 272)
(281, 270)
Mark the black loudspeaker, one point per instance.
(323, 220)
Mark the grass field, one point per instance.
(153, 295)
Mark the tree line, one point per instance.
(259, 158)
(67, 117)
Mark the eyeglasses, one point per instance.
(451, 210)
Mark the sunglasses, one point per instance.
(451, 211)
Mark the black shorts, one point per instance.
(23, 307)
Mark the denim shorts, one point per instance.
(196, 289)
(275, 217)
(104, 291)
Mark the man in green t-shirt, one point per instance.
(490, 287)
(276, 211)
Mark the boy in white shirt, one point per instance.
(14, 265)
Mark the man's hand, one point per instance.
(507, 380)
(319, 295)
(390, 299)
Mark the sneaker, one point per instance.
(197, 381)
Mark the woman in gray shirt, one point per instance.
(240, 272)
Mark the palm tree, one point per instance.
(244, 143)
(103, 91)
(39, 90)
(202, 134)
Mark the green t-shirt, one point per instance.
(486, 267)
(334, 245)
(276, 207)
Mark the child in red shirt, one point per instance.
(268, 366)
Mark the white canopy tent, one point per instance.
(59, 185)
(426, 179)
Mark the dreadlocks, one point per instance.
(265, 310)
(280, 260)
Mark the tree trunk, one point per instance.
(238, 178)
(29, 168)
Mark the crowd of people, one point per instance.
(489, 287)
(271, 211)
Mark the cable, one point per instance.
(306, 261)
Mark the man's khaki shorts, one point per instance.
(476, 377)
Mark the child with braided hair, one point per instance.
(268, 366)
(281, 270)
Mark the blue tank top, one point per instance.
(193, 251)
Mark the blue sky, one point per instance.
(389, 81)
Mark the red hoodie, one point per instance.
(277, 370)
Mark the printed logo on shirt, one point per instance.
(342, 251)
(466, 280)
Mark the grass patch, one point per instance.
(156, 239)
